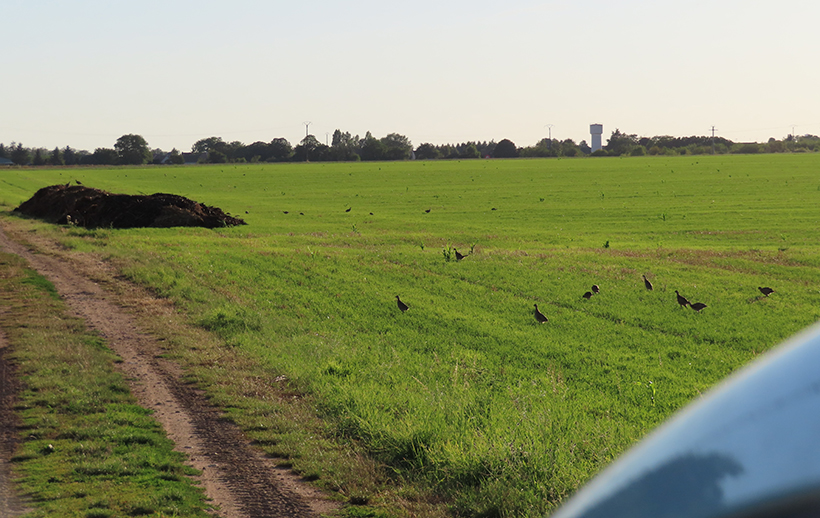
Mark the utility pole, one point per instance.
(713, 140)
(549, 126)
(307, 125)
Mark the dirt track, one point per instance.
(238, 478)
(10, 505)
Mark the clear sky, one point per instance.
(84, 72)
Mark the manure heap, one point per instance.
(94, 208)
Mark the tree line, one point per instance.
(134, 149)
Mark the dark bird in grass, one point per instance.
(697, 306)
(647, 283)
(402, 306)
(765, 290)
(78, 182)
(459, 255)
(68, 184)
(348, 209)
(596, 289)
(371, 213)
(540, 317)
(587, 295)
(427, 211)
(301, 213)
(284, 212)
(682, 300)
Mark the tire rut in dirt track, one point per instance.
(235, 476)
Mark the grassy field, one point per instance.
(465, 393)
(89, 450)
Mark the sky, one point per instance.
(82, 73)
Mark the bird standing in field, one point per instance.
(587, 295)
(348, 209)
(647, 283)
(697, 306)
(402, 306)
(596, 289)
(459, 255)
(540, 317)
(765, 290)
(682, 300)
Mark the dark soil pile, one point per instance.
(93, 208)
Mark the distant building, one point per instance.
(5, 161)
(596, 130)
(195, 158)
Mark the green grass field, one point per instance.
(465, 392)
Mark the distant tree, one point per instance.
(396, 147)
(505, 149)
(570, 148)
(4, 152)
(70, 156)
(449, 151)
(372, 148)
(621, 143)
(584, 147)
(280, 150)
(158, 155)
(20, 155)
(305, 150)
(209, 144)
(256, 152)
(133, 150)
(427, 152)
(775, 146)
(747, 148)
(217, 157)
(233, 150)
(543, 148)
(470, 151)
(39, 158)
(344, 146)
(105, 156)
(56, 157)
(175, 157)
(486, 148)
(82, 156)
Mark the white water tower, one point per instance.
(596, 130)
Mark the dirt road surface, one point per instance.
(236, 477)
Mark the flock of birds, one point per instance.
(542, 318)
